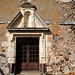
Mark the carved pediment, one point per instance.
(27, 21)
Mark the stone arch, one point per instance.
(26, 17)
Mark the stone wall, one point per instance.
(4, 70)
(3, 31)
(61, 58)
(61, 52)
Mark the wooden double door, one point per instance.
(27, 54)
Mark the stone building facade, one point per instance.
(28, 44)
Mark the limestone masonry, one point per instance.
(37, 41)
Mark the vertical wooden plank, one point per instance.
(27, 57)
(38, 57)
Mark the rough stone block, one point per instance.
(4, 44)
(65, 0)
(10, 38)
(2, 55)
(10, 48)
(66, 71)
(3, 60)
(0, 47)
(11, 60)
(9, 54)
(4, 49)
(74, 48)
(6, 70)
(72, 57)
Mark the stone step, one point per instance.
(30, 73)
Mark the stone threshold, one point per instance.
(29, 73)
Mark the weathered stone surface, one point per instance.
(10, 48)
(72, 57)
(11, 60)
(0, 47)
(66, 70)
(3, 60)
(2, 55)
(62, 54)
(65, 0)
(4, 44)
(4, 70)
(9, 54)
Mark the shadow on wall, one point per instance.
(1, 72)
(2, 55)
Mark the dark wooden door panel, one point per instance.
(28, 54)
(33, 66)
(24, 66)
(30, 57)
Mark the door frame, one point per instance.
(27, 35)
(40, 35)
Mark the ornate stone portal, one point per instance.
(27, 24)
